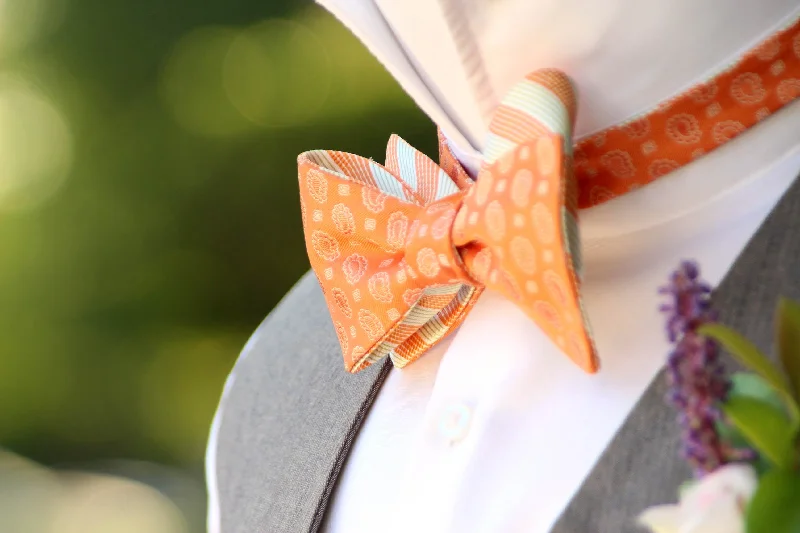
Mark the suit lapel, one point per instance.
(290, 420)
(641, 466)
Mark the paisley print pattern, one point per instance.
(726, 130)
(495, 220)
(684, 129)
(619, 163)
(524, 254)
(690, 124)
(343, 219)
(374, 200)
(354, 267)
(704, 93)
(341, 334)
(788, 90)
(340, 298)
(662, 167)
(396, 230)
(768, 50)
(325, 246)
(638, 129)
(748, 89)
(380, 287)
(543, 223)
(410, 296)
(370, 323)
(521, 187)
(317, 186)
(428, 262)
(441, 227)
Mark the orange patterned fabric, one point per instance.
(403, 251)
(627, 156)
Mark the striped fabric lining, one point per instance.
(439, 308)
(527, 109)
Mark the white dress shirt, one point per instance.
(494, 430)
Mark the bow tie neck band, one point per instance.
(403, 251)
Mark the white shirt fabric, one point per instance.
(494, 430)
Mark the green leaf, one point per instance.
(775, 507)
(764, 427)
(749, 355)
(731, 436)
(788, 337)
(754, 386)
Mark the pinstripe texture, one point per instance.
(470, 55)
(530, 109)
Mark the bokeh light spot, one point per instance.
(24, 21)
(36, 146)
(192, 88)
(27, 493)
(175, 405)
(108, 504)
(36, 499)
(277, 73)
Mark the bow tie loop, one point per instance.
(392, 281)
(517, 234)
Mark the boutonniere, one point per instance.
(739, 430)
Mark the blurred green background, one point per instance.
(149, 221)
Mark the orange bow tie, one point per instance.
(402, 252)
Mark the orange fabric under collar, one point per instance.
(625, 157)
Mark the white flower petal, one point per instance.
(724, 517)
(662, 519)
(730, 483)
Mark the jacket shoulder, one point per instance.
(282, 426)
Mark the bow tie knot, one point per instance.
(403, 251)
(429, 249)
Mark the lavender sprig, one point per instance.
(697, 380)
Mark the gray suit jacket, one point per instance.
(293, 413)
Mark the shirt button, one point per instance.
(455, 421)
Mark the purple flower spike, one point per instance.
(697, 380)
